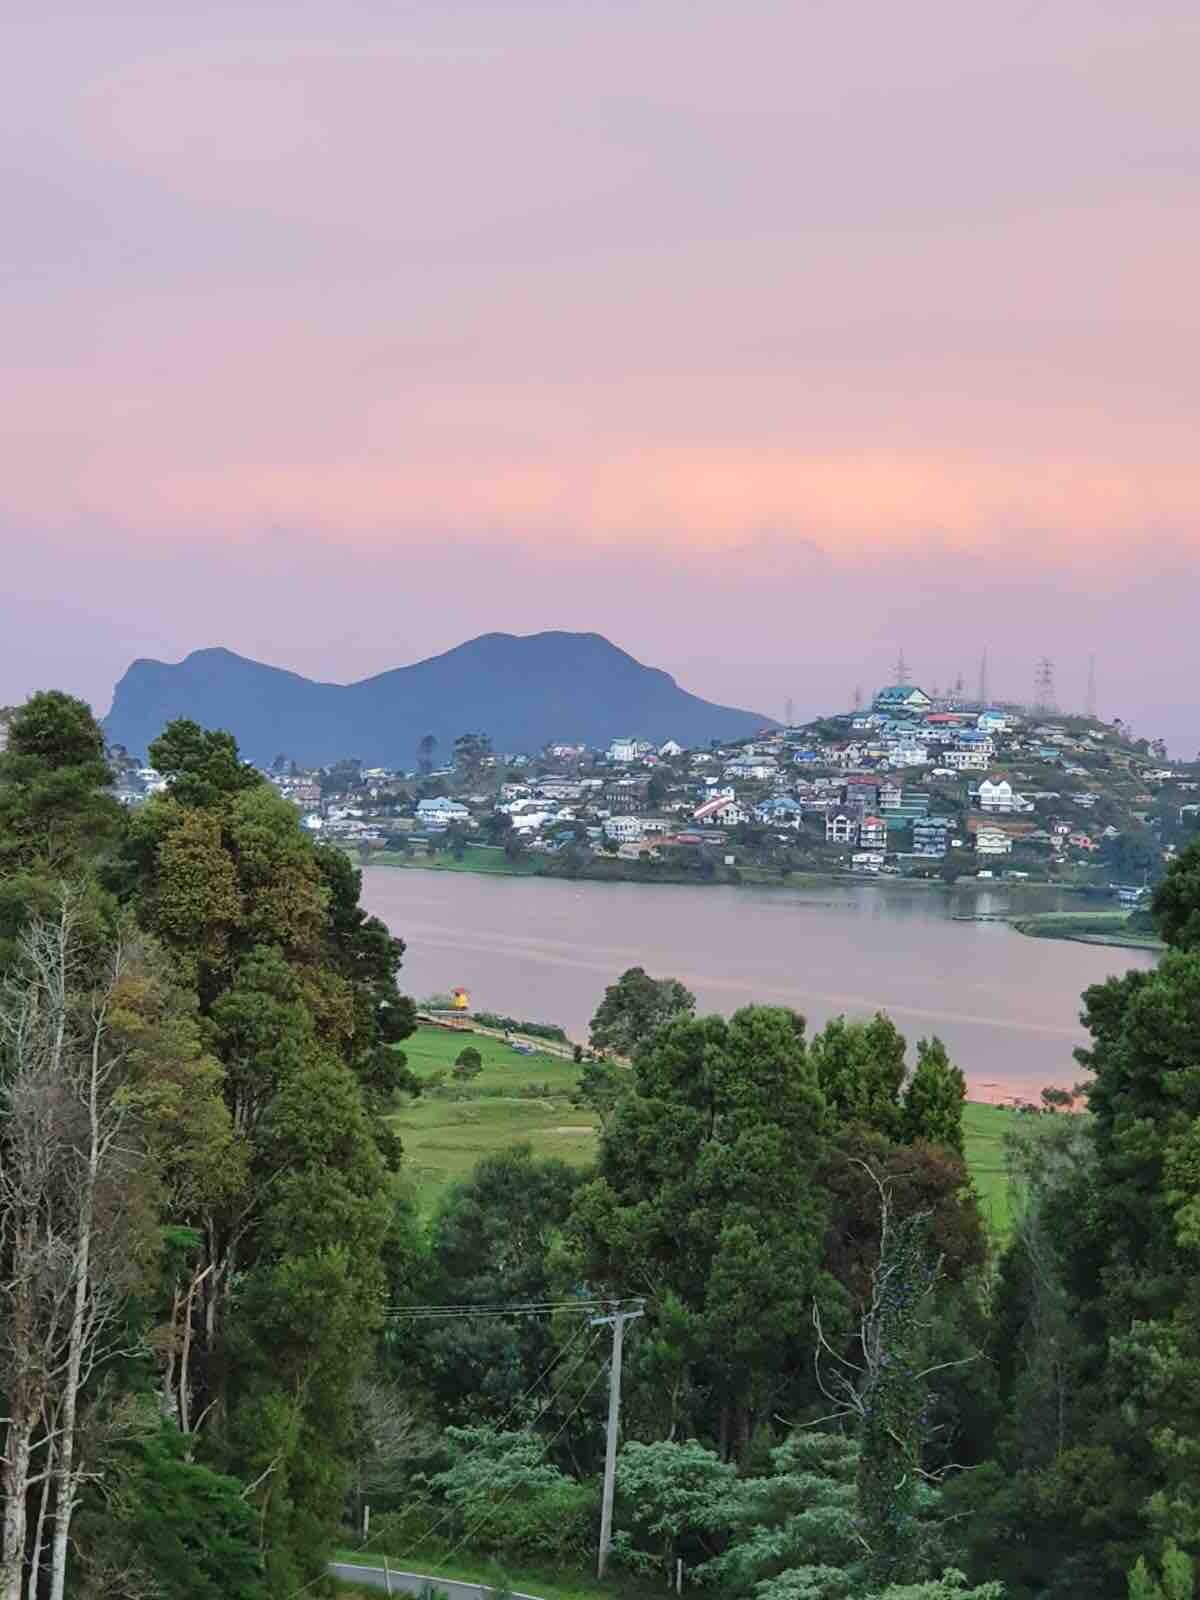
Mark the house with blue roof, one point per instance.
(903, 698)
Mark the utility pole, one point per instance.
(618, 1319)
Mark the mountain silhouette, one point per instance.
(523, 691)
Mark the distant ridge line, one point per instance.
(525, 691)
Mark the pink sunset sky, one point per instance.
(764, 338)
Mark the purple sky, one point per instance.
(764, 338)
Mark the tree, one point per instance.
(669, 1495)
(495, 1239)
(199, 764)
(860, 1068)
(297, 993)
(1176, 904)
(187, 1531)
(472, 752)
(705, 1197)
(71, 1204)
(468, 1064)
(425, 749)
(55, 814)
(1178, 1577)
(634, 1007)
(885, 1391)
(496, 827)
(599, 1088)
(934, 1098)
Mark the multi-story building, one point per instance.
(930, 835)
(625, 830)
(872, 833)
(842, 826)
(992, 842)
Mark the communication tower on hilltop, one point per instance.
(900, 673)
(1043, 686)
(1091, 687)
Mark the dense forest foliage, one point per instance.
(225, 1332)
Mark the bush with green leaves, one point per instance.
(505, 1496)
(468, 1064)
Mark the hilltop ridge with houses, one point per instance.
(910, 785)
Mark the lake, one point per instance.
(543, 949)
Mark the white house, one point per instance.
(670, 748)
(867, 861)
(996, 796)
(992, 722)
(992, 842)
(625, 830)
(723, 810)
(966, 760)
(441, 809)
(623, 750)
(841, 827)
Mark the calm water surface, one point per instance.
(1006, 1006)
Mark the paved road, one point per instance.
(411, 1582)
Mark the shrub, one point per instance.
(468, 1063)
(536, 1030)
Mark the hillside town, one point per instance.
(908, 786)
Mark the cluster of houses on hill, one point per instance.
(896, 787)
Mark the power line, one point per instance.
(532, 1308)
(554, 1437)
(500, 1426)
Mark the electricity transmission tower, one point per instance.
(1043, 686)
(858, 697)
(900, 673)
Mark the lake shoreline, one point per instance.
(748, 878)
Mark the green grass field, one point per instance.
(444, 1138)
(1088, 927)
(984, 1128)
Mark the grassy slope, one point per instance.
(444, 1138)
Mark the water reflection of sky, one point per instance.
(1006, 1006)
